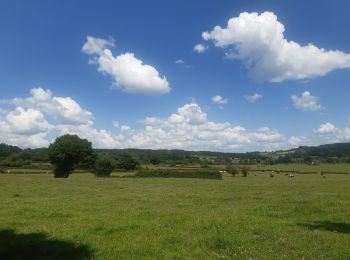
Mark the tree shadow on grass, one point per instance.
(38, 246)
(328, 226)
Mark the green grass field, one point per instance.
(256, 217)
(322, 167)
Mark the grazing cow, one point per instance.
(271, 175)
(291, 175)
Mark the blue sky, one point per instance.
(50, 85)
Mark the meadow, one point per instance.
(254, 217)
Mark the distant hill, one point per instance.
(339, 152)
(328, 150)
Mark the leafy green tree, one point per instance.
(66, 152)
(6, 150)
(103, 167)
(232, 169)
(88, 163)
(127, 162)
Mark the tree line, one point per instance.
(15, 157)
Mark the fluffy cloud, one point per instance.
(63, 109)
(25, 121)
(200, 48)
(192, 114)
(326, 128)
(259, 42)
(296, 141)
(35, 117)
(253, 98)
(95, 46)
(129, 73)
(219, 100)
(25, 128)
(36, 124)
(189, 128)
(99, 138)
(333, 134)
(266, 134)
(27, 141)
(306, 102)
(343, 135)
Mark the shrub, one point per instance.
(232, 169)
(14, 162)
(103, 167)
(127, 162)
(244, 171)
(166, 173)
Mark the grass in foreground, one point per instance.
(107, 218)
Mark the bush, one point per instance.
(165, 173)
(103, 167)
(14, 162)
(232, 169)
(244, 171)
(127, 162)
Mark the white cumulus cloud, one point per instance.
(37, 122)
(192, 114)
(200, 48)
(254, 98)
(189, 128)
(296, 141)
(25, 128)
(306, 102)
(35, 117)
(25, 121)
(128, 73)
(95, 46)
(100, 138)
(258, 41)
(219, 100)
(333, 134)
(131, 75)
(64, 109)
(326, 128)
